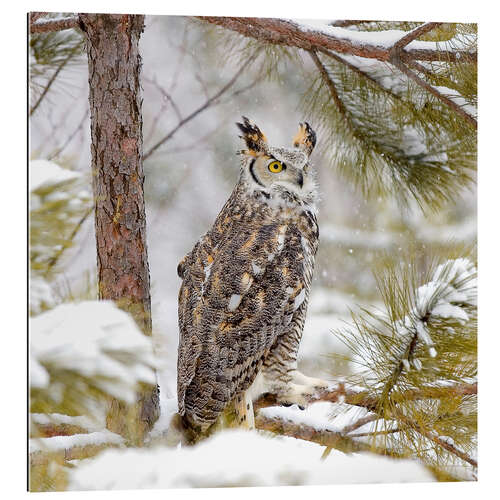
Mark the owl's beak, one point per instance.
(300, 179)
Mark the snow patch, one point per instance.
(58, 443)
(95, 339)
(44, 173)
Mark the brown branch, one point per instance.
(422, 83)
(209, 102)
(347, 22)
(331, 86)
(412, 35)
(365, 400)
(375, 433)
(359, 423)
(335, 395)
(322, 437)
(57, 24)
(421, 68)
(33, 16)
(340, 440)
(289, 33)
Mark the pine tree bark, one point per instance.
(112, 44)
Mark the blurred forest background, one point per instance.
(190, 166)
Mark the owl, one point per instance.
(245, 287)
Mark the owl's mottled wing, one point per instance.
(236, 298)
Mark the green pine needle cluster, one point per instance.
(382, 131)
(416, 356)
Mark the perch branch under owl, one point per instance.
(343, 440)
(365, 400)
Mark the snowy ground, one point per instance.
(244, 458)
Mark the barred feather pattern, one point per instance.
(243, 298)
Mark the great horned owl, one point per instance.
(245, 286)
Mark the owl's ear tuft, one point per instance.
(255, 140)
(305, 138)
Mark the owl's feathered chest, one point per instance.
(251, 210)
(245, 285)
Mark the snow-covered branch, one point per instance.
(363, 399)
(319, 36)
(54, 24)
(413, 35)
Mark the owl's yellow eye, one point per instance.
(275, 167)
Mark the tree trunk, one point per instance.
(112, 43)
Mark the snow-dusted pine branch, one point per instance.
(321, 35)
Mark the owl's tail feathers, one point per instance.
(182, 431)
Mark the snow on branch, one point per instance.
(319, 36)
(54, 24)
(416, 361)
(71, 447)
(93, 341)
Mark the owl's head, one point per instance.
(276, 171)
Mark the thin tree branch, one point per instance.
(77, 227)
(354, 68)
(435, 439)
(412, 35)
(323, 437)
(344, 23)
(331, 86)
(419, 81)
(58, 24)
(166, 95)
(70, 137)
(391, 382)
(291, 34)
(204, 106)
(359, 423)
(421, 68)
(375, 433)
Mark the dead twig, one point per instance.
(209, 102)
(70, 137)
